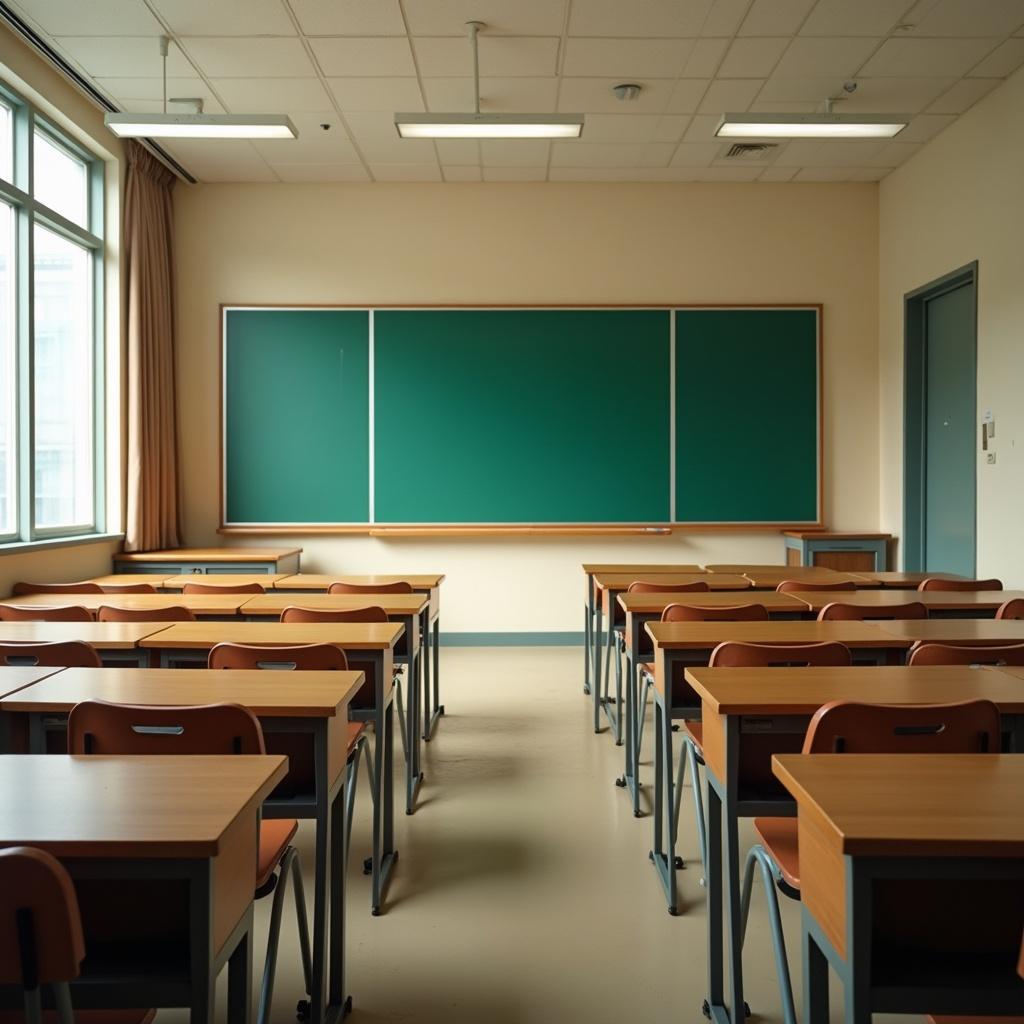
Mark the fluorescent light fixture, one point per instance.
(201, 126)
(489, 126)
(811, 126)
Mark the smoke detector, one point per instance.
(626, 91)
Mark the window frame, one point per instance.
(28, 212)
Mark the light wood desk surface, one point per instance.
(128, 579)
(265, 694)
(655, 569)
(705, 635)
(104, 635)
(719, 581)
(959, 631)
(138, 806)
(208, 555)
(903, 580)
(16, 678)
(323, 581)
(769, 579)
(394, 604)
(796, 570)
(716, 599)
(266, 580)
(878, 597)
(198, 604)
(349, 635)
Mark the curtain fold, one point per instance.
(153, 514)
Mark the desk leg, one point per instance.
(340, 1004)
(631, 776)
(588, 622)
(240, 979)
(815, 976)
(732, 865)
(202, 998)
(714, 1005)
(433, 709)
(323, 864)
(384, 853)
(414, 686)
(596, 684)
(663, 854)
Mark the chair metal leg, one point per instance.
(299, 891)
(690, 756)
(400, 707)
(62, 1000)
(641, 713)
(273, 938)
(351, 778)
(33, 1006)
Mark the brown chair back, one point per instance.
(965, 654)
(217, 588)
(50, 654)
(128, 588)
(41, 939)
(400, 587)
(788, 586)
(99, 727)
(732, 654)
(647, 587)
(837, 611)
(846, 727)
(369, 614)
(172, 613)
(301, 657)
(37, 613)
(1011, 609)
(965, 586)
(725, 613)
(84, 587)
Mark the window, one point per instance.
(51, 355)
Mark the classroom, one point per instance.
(507, 511)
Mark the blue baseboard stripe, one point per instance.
(539, 639)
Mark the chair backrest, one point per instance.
(859, 612)
(172, 613)
(311, 657)
(128, 588)
(965, 654)
(739, 655)
(1011, 609)
(217, 588)
(725, 613)
(56, 588)
(99, 727)
(846, 727)
(966, 586)
(369, 614)
(41, 939)
(788, 586)
(400, 587)
(50, 654)
(647, 587)
(37, 613)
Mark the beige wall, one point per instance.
(958, 200)
(534, 244)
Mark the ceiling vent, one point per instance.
(749, 152)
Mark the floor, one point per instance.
(523, 891)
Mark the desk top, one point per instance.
(717, 599)
(299, 695)
(705, 635)
(905, 805)
(744, 567)
(961, 631)
(982, 600)
(138, 806)
(394, 604)
(322, 581)
(718, 581)
(15, 678)
(224, 579)
(770, 578)
(833, 535)
(104, 635)
(904, 579)
(592, 567)
(372, 636)
(208, 555)
(772, 691)
(127, 579)
(199, 604)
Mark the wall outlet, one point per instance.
(990, 458)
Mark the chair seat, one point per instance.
(275, 836)
(356, 730)
(86, 1016)
(778, 836)
(695, 730)
(648, 668)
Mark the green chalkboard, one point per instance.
(296, 416)
(747, 415)
(522, 416)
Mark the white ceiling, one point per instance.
(352, 63)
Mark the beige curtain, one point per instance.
(153, 506)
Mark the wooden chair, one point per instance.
(399, 587)
(41, 940)
(837, 611)
(967, 654)
(845, 727)
(84, 587)
(964, 586)
(99, 727)
(788, 586)
(37, 613)
(172, 613)
(1011, 609)
(51, 654)
(128, 588)
(218, 588)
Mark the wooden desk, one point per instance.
(903, 580)
(132, 579)
(870, 840)
(179, 836)
(744, 567)
(224, 579)
(210, 560)
(846, 552)
(769, 579)
(117, 642)
(204, 605)
(426, 583)
(14, 679)
(957, 631)
(751, 714)
(368, 646)
(940, 603)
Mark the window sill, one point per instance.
(22, 547)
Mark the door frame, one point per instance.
(915, 411)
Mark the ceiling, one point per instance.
(351, 64)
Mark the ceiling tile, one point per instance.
(695, 154)
(321, 172)
(775, 17)
(725, 17)
(152, 88)
(1002, 61)
(807, 57)
(748, 173)
(462, 173)
(216, 160)
(752, 57)
(702, 128)
(788, 107)
(963, 95)
(623, 174)
(686, 95)
(123, 57)
(925, 126)
(800, 89)
(97, 17)
(497, 95)
(729, 95)
(894, 95)
(800, 153)
(225, 17)
(378, 140)
(210, 106)
(249, 57)
(892, 154)
(623, 127)
(826, 174)
(406, 172)
(314, 144)
(389, 94)
(521, 18)
(349, 17)
(514, 153)
(870, 174)
(272, 95)
(638, 58)
(862, 18)
(902, 57)
(458, 152)
(671, 127)
(500, 56)
(705, 57)
(775, 173)
(971, 18)
(581, 154)
(645, 18)
(515, 173)
(595, 95)
(364, 57)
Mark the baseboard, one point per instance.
(568, 638)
